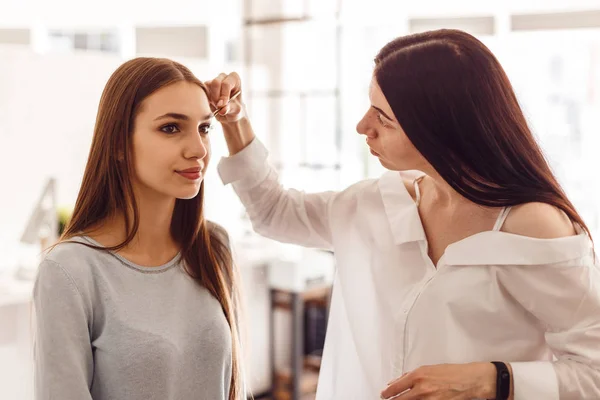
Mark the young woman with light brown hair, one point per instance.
(138, 299)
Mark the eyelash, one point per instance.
(206, 127)
(382, 122)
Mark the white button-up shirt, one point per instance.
(494, 296)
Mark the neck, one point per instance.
(443, 194)
(152, 241)
(153, 236)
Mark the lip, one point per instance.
(192, 176)
(373, 152)
(189, 170)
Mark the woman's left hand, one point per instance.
(445, 382)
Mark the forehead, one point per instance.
(377, 97)
(181, 97)
(375, 93)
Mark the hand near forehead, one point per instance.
(225, 97)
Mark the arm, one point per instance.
(286, 215)
(62, 349)
(566, 300)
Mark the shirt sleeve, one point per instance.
(62, 347)
(286, 215)
(565, 298)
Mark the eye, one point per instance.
(382, 121)
(205, 128)
(170, 128)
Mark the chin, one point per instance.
(187, 195)
(397, 166)
(387, 165)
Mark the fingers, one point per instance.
(395, 379)
(223, 111)
(231, 85)
(222, 88)
(214, 88)
(398, 386)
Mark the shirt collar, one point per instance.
(485, 248)
(400, 207)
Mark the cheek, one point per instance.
(397, 144)
(207, 157)
(408, 153)
(410, 148)
(148, 155)
(153, 159)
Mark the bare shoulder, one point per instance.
(538, 220)
(410, 187)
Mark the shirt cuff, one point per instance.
(534, 380)
(247, 168)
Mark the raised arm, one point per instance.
(288, 215)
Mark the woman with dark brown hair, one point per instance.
(138, 299)
(464, 272)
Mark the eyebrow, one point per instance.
(181, 117)
(384, 114)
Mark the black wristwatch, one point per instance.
(502, 381)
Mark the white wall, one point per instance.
(79, 13)
(188, 41)
(19, 36)
(378, 11)
(47, 111)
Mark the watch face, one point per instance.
(505, 375)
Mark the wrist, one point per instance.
(489, 378)
(234, 116)
(233, 126)
(487, 383)
(238, 134)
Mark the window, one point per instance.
(60, 41)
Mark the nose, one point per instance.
(197, 147)
(364, 126)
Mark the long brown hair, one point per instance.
(107, 189)
(457, 106)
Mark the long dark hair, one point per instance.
(458, 108)
(107, 189)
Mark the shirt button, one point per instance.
(405, 311)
